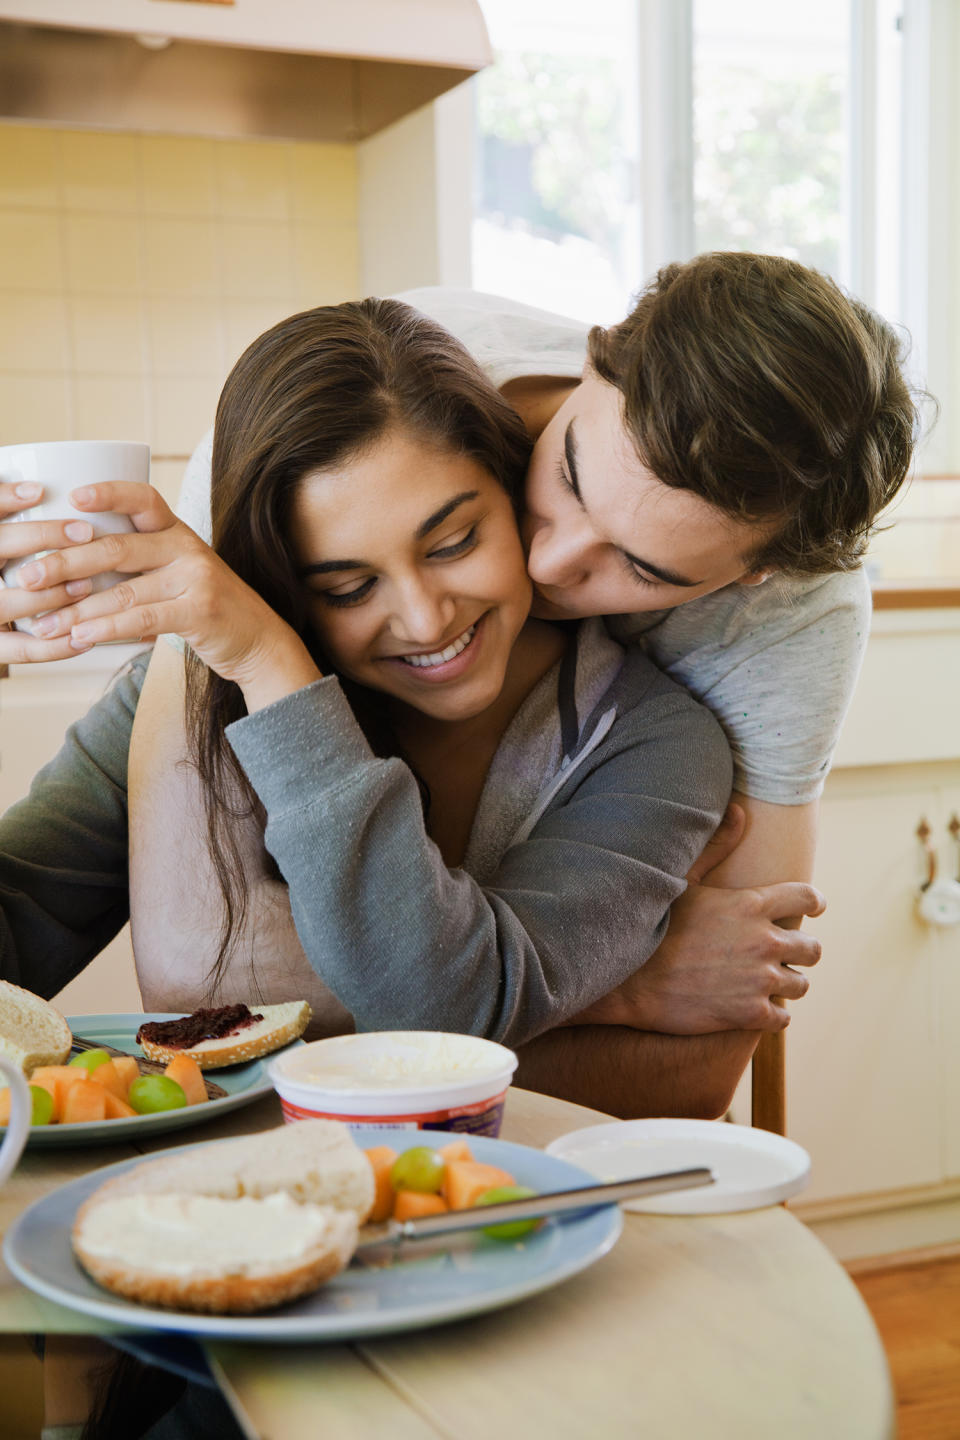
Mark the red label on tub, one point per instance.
(481, 1118)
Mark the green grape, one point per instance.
(508, 1229)
(42, 1105)
(90, 1059)
(419, 1169)
(149, 1093)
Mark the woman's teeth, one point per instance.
(440, 657)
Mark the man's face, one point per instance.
(606, 537)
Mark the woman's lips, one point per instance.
(450, 669)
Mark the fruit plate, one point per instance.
(244, 1084)
(424, 1283)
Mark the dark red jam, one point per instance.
(201, 1025)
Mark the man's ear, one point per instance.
(754, 577)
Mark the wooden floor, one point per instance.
(917, 1311)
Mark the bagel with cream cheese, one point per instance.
(232, 1226)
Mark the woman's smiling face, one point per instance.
(415, 573)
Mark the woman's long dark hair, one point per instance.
(315, 390)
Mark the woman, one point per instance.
(519, 860)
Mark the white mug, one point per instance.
(64, 465)
(21, 1113)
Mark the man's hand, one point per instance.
(725, 957)
(723, 960)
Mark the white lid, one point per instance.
(395, 1062)
(751, 1168)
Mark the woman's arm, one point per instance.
(405, 942)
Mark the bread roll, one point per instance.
(194, 1252)
(280, 1025)
(32, 1032)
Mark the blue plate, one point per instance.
(464, 1276)
(244, 1084)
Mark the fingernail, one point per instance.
(78, 530)
(81, 635)
(78, 587)
(84, 495)
(30, 574)
(79, 644)
(46, 625)
(27, 491)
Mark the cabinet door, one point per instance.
(948, 987)
(862, 1051)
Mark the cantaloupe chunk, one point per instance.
(465, 1180)
(117, 1109)
(84, 1103)
(411, 1204)
(5, 1105)
(188, 1075)
(456, 1150)
(381, 1158)
(59, 1080)
(127, 1068)
(111, 1079)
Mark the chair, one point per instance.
(768, 1098)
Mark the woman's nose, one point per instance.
(423, 613)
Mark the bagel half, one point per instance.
(201, 1253)
(280, 1025)
(231, 1226)
(32, 1032)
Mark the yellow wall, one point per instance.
(135, 268)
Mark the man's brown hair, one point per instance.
(759, 385)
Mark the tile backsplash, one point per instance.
(134, 269)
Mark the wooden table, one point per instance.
(721, 1326)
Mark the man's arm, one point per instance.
(634, 1074)
(729, 951)
(727, 954)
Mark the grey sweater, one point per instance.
(593, 811)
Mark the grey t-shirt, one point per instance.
(776, 663)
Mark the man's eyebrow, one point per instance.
(669, 577)
(570, 450)
(328, 567)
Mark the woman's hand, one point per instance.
(177, 584)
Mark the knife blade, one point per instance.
(556, 1202)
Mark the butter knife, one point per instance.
(556, 1202)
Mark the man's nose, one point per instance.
(560, 555)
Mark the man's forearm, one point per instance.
(636, 1073)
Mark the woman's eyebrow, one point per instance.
(438, 516)
(328, 567)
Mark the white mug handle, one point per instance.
(21, 1111)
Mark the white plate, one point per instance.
(751, 1168)
(244, 1084)
(464, 1276)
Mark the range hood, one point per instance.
(294, 69)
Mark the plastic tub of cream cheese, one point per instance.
(398, 1080)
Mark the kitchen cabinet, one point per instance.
(873, 1071)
